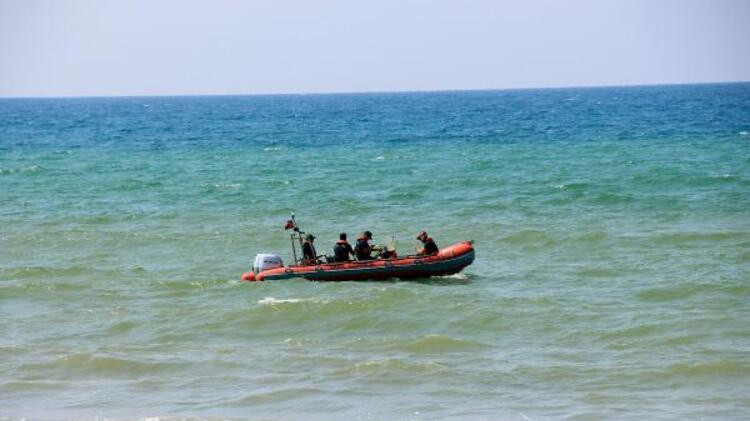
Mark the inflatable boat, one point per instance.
(447, 261)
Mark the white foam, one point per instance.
(274, 301)
(459, 275)
(29, 168)
(227, 185)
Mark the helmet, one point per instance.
(310, 237)
(368, 235)
(421, 235)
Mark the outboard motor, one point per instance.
(264, 261)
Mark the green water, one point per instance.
(611, 282)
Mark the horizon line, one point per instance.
(366, 92)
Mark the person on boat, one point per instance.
(362, 249)
(308, 250)
(430, 247)
(342, 249)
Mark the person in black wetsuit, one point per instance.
(430, 247)
(308, 251)
(342, 249)
(362, 248)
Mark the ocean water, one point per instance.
(612, 279)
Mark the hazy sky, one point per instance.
(150, 47)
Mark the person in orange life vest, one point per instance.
(430, 247)
(342, 249)
(362, 248)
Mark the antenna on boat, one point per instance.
(298, 236)
(292, 223)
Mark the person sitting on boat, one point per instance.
(342, 249)
(308, 250)
(362, 249)
(430, 247)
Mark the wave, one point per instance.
(611, 198)
(97, 365)
(199, 284)
(373, 306)
(221, 186)
(134, 185)
(46, 272)
(394, 366)
(727, 177)
(688, 290)
(599, 272)
(679, 179)
(26, 169)
(572, 187)
(634, 332)
(431, 344)
(272, 396)
(270, 301)
(530, 237)
(680, 238)
(724, 369)
(280, 183)
(404, 196)
(461, 278)
(31, 386)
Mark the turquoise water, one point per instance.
(612, 279)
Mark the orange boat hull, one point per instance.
(447, 261)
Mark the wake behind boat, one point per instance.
(446, 261)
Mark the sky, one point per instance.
(171, 47)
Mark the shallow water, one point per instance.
(611, 282)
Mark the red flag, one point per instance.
(289, 224)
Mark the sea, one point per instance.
(611, 280)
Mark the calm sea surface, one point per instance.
(612, 279)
